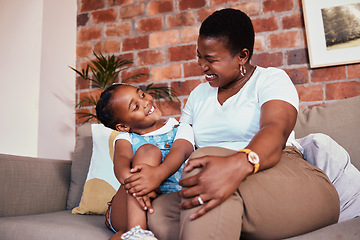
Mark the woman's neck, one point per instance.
(236, 86)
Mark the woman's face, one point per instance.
(217, 62)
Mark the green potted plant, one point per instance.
(103, 72)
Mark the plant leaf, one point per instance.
(87, 115)
(161, 92)
(87, 101)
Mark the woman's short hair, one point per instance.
(232, 25)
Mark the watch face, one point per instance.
(253, 158)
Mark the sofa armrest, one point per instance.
(32, 185)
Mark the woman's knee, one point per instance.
(206, 151)
(304, 189)
(211, 151)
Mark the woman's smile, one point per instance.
(219, 65)
(210, 77)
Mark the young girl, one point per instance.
(143, 143)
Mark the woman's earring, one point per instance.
(242, 70)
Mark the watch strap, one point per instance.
(256, 166)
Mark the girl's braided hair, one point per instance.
(104, 111)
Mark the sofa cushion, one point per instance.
(101, 183)
(345, 230)
(339, 120)
(80, 164)
(57, 225)
(32, 185)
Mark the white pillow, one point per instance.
(101, 183)
(323, 152)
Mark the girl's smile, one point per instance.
(152, 110)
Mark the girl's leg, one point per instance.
(126, 213)
(118, 213)
(125, 210)
(151, 155)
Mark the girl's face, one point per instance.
(216, 61)
(136, 109)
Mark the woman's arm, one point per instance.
(221, 176)
(277, 120)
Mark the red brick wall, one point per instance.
(160, 37)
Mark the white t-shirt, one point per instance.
(184, 132)
(233, 124)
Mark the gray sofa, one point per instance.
(37, 195)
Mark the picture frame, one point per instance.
(332, 31)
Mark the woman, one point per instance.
(242, 181)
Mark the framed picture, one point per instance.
(332, 31)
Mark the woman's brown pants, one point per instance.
(290, 199)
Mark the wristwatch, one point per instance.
(253, 158)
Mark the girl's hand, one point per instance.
(145, 201)
(144, 179)
(218, 180)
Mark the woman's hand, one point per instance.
(218, 180)
(144, 179)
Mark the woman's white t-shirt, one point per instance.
(233, 124)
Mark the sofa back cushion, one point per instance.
(30, 185)
(80, 164)
(339, 120)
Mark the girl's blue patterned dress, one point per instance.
(164, 142)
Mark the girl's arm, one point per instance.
(181, 149)
(179, 152)
(122, 159)
(148, 178)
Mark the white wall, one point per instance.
(37, 91)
